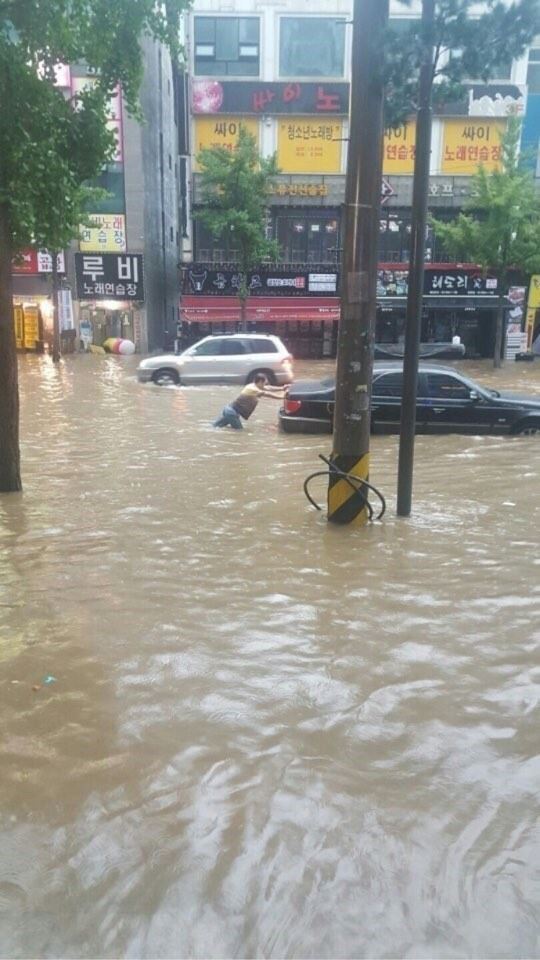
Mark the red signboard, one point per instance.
(270, 309)
(37, 261)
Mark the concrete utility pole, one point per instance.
(359, 265)
(413, 326)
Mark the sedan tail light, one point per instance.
(292, 406)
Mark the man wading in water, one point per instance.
(245, 403)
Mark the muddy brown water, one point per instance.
(265, 737)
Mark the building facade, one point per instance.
(121, 278)
(283, 73)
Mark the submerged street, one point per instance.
(263, 736)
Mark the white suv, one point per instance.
(229, 359)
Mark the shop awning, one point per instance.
(269, 309)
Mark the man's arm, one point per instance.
(273, 396)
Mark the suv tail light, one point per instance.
(286, 360)
(292, 406)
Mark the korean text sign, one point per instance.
(108, 276)
(258, 97)
(399, 148)
(467, 143)
(309, 145)
(106, 232)
(222, 132)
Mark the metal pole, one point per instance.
(359, 263)
(56, 353)
(416, 265)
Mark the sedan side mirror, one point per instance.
(474, 396)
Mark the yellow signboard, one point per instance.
(31, 327)
(534, 293)
(533, 304)
(221, 131)
(468, 143)
(399, 148)
(107, 233)
(309, 145)
(18, 317)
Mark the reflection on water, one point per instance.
(265, 738)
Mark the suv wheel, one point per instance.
(269, 374)
(165, 376)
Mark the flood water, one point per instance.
(264, 737)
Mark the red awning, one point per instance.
(269, 309)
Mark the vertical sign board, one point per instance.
(533, 304)
(108, 276)
(65, 310)
(78, 85)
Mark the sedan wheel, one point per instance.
(529, 430)
(165, 377)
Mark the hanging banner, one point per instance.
(307, 145)
(399, 148)
(107, 233)
(220, 131)
(65, 310)
(469, 143)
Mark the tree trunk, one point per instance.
(499, 329)
(10, 468)
(56, 353)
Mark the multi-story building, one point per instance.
(121, 278)
(282, 71)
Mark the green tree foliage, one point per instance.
(500, 228)
(467, 46)
(49, 145)
(235, 198)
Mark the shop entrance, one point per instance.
(105, 322)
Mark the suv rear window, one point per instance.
(232, 348)
(262, 346)
(210, 348)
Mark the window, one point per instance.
(309, 237)
(402, 26)
(389, 385)
(444, 387)
(311, 47)
(232, 348)
(227, 46)
(210, 348)
(262, 346)
(533, 71)
(394, 235)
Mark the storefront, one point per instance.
(302, 306)
(33, 303)
(110, 290)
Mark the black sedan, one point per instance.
(447, 402)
